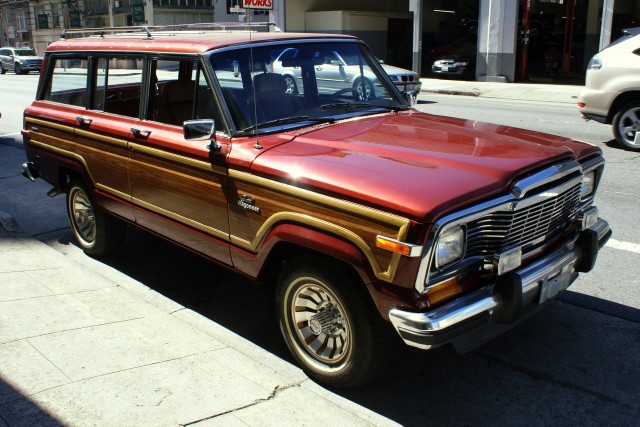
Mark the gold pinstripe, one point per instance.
(402, 224)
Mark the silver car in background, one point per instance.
(20, 60)
(612, 90)
(334, 70)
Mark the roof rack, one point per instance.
(148, 30)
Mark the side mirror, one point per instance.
(410, 96)
(201, 130)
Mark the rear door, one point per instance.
(78, 127)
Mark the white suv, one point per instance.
(612, 91)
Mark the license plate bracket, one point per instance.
(555, 284)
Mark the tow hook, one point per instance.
(30, 171)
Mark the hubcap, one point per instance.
(363, 90)
(83, 216)
(320, 324)
(630, 126)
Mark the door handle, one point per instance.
(140, 133)
(83, 121)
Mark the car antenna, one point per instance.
(257, 145)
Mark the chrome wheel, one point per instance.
(329, 323)
(96, 232)
(626, 126)
(363, 90)
(320, 323)
(82, 216)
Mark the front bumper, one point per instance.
(481, 315)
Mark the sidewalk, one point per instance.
(79, 349)
(565, 94)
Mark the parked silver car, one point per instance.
(612, 91)
(21, 60)
(334, 70)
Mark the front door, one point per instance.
(179, 186)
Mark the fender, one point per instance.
(255, 265)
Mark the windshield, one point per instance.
(267, 88)
(24, 52)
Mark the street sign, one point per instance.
(258, 4)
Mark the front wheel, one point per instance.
(331, 328)
(97, 233)
(17, 68)
(626, 126)
(2, 69)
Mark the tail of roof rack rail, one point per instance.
(148, 30)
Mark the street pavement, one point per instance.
(79, 347)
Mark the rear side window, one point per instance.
(118, 85)
(68, 82)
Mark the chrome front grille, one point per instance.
(506, 229)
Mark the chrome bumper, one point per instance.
(480, 315)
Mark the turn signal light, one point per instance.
(402, 248)
(443, 291)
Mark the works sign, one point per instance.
(257, 4)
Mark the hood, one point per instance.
(396, 71)
(414, 164)
(29, 58)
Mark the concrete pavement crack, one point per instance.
(274, 393)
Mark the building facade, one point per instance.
(506, 40)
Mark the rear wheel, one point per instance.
(330, 326)
(626, 126)
(97, 233)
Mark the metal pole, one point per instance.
(416, 7)
(5, 28)
(605, 28)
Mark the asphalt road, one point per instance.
(577, 362)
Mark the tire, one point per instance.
(17, 69)
(363, 92)
(626, 126)
(292, 87)
(97, 233)
(329, 323)
(3, 70)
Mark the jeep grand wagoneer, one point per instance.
(372, 219)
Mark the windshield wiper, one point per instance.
(347, 105)
(354, 105)
(284, 121)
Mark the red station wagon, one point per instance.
(374, 221)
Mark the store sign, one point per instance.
(258, 4)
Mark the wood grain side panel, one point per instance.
(107, 163)
(181, 190)
(277, 203)
(105, 159)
